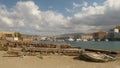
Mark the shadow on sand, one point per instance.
(86, 60)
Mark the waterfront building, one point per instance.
(100, 35)
(43, 38)
(116, 30)
(11, 36)
(114, 34)
(27, 39)
(87, 37)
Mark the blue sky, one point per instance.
(54, 17)
(54, 5)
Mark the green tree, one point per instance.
(17, 34)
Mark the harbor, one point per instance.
(53, 53)
(59, 33)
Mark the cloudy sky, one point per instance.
(53, 17)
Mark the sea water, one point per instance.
(111, 45)
(104, 45)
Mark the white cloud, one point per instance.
(74, 8)
(95, 4)
(113, 3)
(75, 5)
(68, 10)
(97, 17)
(21, 23)
(26, 17)
(85, 4)
(7, 21)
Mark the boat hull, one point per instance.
(97, 57)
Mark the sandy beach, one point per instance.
(52, 62)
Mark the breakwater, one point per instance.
(29, 48)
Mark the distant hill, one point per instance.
(27, 35)
(72, 34)
(62, 35)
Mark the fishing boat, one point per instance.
(97, 57)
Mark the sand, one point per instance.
(52, 62)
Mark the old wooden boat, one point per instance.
(97, 57)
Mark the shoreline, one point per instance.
(52, 61)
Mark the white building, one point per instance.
(116, 30)
(11, 36)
